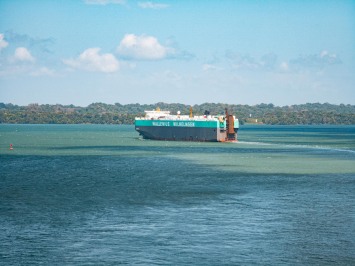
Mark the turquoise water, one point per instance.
(99, 194)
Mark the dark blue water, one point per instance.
(99, 195)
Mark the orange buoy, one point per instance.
(11, 147)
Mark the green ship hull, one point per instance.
(186, 130)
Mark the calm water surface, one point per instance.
(100, 195)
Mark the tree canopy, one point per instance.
(101, 113)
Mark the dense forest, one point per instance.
(101, 113)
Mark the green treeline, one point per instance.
(101, 113)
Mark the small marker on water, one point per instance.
(11, 147)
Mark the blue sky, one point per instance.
(239, 52)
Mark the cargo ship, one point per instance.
(161, 125)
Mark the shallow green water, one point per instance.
(261, 149)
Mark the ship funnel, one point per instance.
(191, 112)
(231, 136)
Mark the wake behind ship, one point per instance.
(161, 125)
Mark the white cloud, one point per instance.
(143, 48)
(324, 53)
(329, 58)
(43, 71)
(22, 54)
(3, 43)
(42, 45)
(104, 2)
(266, 62)
(26, 70)
(284, 66)
(151, 5)
(209, 67)
(92, 60)
(242, 61)
(321, 60)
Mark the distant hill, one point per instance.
(101, 113)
